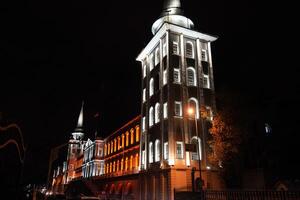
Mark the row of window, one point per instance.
(91, 151)
(119, 142)
(154, 115)
(189, 53)
(95, 168)
(130, 163)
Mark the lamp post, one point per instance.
(192, 113)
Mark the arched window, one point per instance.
(151, 64)
(127, 138)
(115, 145)
(150, 152)
(191, 77)
(108, 149)
(131, 136)
(118, 163)
(126, 163)
(189, 49)
(136, 161)
(196, 155)
(157, 150)
(119, 143)
(111, 147)
(137, 133)
(151, 85)
(122, 164)
(151, 116)
(157, 56)
(105, 147)
(193, 103)
(123, 139)
(157, 112)
(131, 162)
(110, 167)
(114, 166)
(144, 71)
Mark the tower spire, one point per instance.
(172, 7)
(78, 133)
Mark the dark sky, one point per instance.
(54, 54)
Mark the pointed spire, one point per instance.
(78, 133)
(80, 118)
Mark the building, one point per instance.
(165, 148)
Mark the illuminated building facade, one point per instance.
(162, 149)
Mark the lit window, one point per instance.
(193, 104)
(151, 116)
(165, 78)
(123, 138)
(115, 145)
(112, 147)
(137, 133)
(189, 49)
(118, 163)
(176, 76)
(144, 124)
(108, 149)
(131, 136)
(131, 162)
(122, 164)
(165, 110)
(179, 150)
(206, 83)
(105, 147)
(157, 113)
(164, 49)
(119, 143)
(114, 166)
(144, 71)
(137, 160)
(178, 109)
(151, 64)
(157, 56)
(127, 138)
(166, 150)
(151, 85)
(203, 55)
(150, 152)
(191, 77)
(126, 164)
(110, 167)
(175, 48)
(144, 94)
(157, 150)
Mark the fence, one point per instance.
(237, 195)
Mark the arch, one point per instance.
(151, 116)
(196, 140)
(127, 138)
(193, 103)
(191, 77)
(123, 140)
(157, 150)
(150, 152)
(151, 87)
(157, 112)
(189, 49)
(119, 142)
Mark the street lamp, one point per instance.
(192, 113)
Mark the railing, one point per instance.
(237, 195)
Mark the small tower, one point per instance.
(75, 149)
(177, 77)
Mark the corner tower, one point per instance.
(177, 77)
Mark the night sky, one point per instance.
(54, 54)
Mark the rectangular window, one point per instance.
(143, 125)
(178, 108)
(165, 110)
(175, 48)
(179, 150)
(166, 150)
(164, 49)
(206, 83)
(144, 94)
(177, 76)
(203, 55)
(165, 78)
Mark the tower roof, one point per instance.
(172, 13)
(78, 133)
